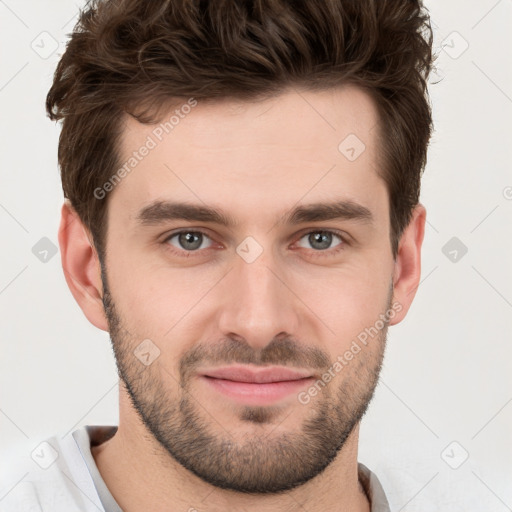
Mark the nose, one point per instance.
(258, 304)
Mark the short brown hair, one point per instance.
(133, 56)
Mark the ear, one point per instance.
(407, 272)
(81, 266)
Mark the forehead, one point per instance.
(273, 153)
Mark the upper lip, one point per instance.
(257, 375)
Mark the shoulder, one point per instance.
(53, 477)
(373, 489)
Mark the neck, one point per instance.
(141, 475)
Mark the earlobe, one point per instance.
(81, 266)
(407, 272)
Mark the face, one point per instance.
(248, 283)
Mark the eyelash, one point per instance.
(318, 253)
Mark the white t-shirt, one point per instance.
(65, 478)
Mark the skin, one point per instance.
(255, 161)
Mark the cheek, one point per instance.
(155, 301)
(348, 301)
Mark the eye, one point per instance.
(322, 240)
(189, 241)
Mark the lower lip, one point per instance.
(257, 394)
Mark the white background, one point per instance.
(447, 373)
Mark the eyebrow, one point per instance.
(162, 211)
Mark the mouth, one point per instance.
(256, 386)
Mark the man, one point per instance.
(242, 216)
